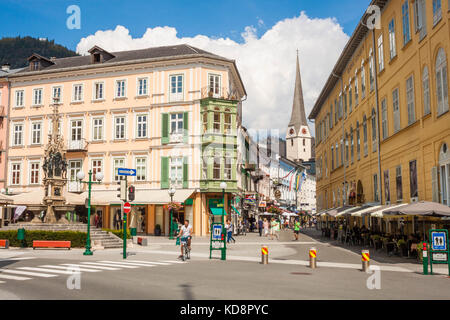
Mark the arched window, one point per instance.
(426, 91)
(441, 82)
(365, 134)
(358, 141)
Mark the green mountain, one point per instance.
(15, 51)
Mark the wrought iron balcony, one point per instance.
(77, 145)
(219, 93)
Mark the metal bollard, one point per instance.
(365, 258)
(264, 255)
(425, 259)
(312, 258)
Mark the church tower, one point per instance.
(298, 137)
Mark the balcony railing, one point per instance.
(77, 145)
(223, 93)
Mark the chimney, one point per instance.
(6, 67)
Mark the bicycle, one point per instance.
(186, 251)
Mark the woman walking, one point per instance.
(266, 227)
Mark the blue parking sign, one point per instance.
(438, 241)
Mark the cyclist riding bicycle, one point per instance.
(185, 234)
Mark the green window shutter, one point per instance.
(164, 172)
(185, 173)
(164, 128)
(186, 127)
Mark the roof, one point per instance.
(131, 55)
(298, 116)
(9, 72)
(353, 43)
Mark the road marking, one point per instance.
(109, 264)
(68, 268)
(5, 276)
(151, 262)
(172, 261)
(92, 267)
(130, 264)
(28, 273)
(17, 258)
(48, 270)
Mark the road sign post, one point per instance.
(439, 248)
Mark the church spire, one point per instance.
(298, 116)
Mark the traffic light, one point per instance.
(131, 190)
(122, 190)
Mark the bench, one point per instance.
(51, 244)
(4, 244)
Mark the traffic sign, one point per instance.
(126, 172)
(127, 207)
(438, 241)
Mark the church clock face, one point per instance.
(291, 132)
(303, 131)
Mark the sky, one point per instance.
(262, 36)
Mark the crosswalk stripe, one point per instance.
(172, 261)
(47, 270)
(73, 268)
(17, 258)
(5, 276)
(109, 264)
(88, 266)
(28, 273)
(150, 262)
(131, 264)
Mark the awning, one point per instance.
(4, 199)
(381, 212)
(346, 212)
(36, 197)
(422, 208)
(217, 211)
(334, 212)
(365, 210)
(236, 210)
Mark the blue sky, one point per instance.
(226, 18)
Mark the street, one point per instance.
(154, 272)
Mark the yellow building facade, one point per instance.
(408, 53)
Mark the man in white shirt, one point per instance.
(186, 235)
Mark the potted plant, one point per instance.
(157, 230)
(402, 247)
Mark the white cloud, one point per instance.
(266, 63)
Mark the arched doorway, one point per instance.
(359, 192)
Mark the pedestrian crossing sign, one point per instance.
(438, 241)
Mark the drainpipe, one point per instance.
(377, 114)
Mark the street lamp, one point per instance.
(171, 194)
(99, 178)
(223, 186)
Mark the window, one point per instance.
(15, 173)
(358, 142)
(205, 122)
(332, 158)
(77, 93)
(37, 97)
(120, 89)
(350, 99)
(17, 134)
(56, 94)
(176, 87)
(76, 129)
(176, 123)
(142, 87)
(99, 91)
(398, 183)
(19, 98)
(97, 127)
(363, 80)
(34, 65)
(342, 152)
(374, 130)
(387, 192)
(444, 171)
(420, 18)
(352, 145)
(141, 169)
(375, 188)
(214, 85)
(371, 70)
(227, 123)
(117, 163)
(141, 127)
(345, 104)
(176, 172)
(413, 179)
(336, 116)
(36, 129)
(441, 82)
(437, 11)
(216, 123)
(74, 168)
(426, 91)
(216, 167)
(365, 135)
(392, 41)
(97, 165)
(227, 169)
(380, 53)
(410, 100)
(337, 155)
(346, 149)
(384, 123)
(340, 111)
(330, 118)
(396, 110)
(119, 127)
(34, 172)
(406, 28)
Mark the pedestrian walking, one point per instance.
(260, 226)
(229, 227)
(266, 227)
(275, 228)
(296, 229)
